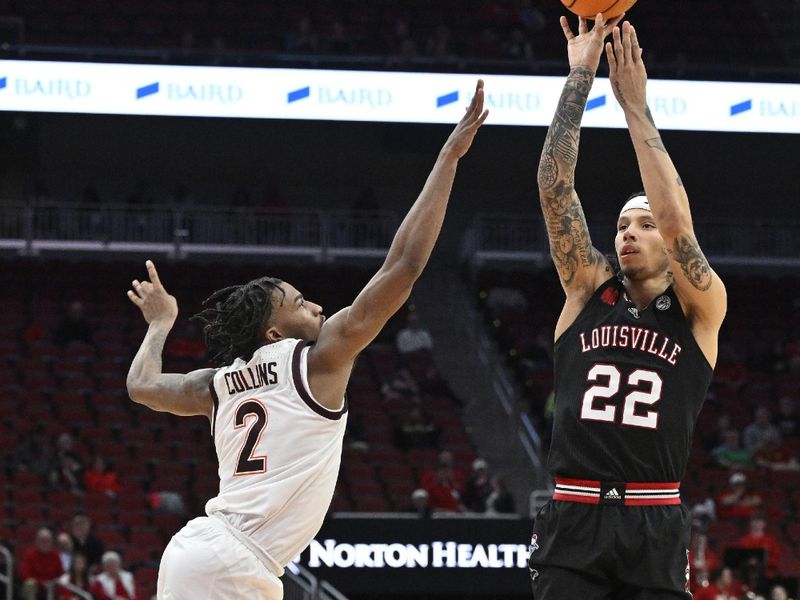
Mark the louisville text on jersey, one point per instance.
(637, 338)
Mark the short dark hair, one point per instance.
(635, 195)
(236, 318)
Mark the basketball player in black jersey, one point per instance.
(634, 355)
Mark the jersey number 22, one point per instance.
(650, 382)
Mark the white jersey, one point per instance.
(279, 451)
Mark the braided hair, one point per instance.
(236, 317)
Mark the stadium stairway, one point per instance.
(470, 363)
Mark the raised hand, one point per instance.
(156, 304)
(626, 69)
(584, 49)
(461, 139)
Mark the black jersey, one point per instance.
(629, 385)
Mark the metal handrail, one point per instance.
(725, 241)
(305, 584)
(52, 585)
(328, 592)
(8, 576)
(183, 230)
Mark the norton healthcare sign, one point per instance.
(401, 554)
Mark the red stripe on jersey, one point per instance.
(650, 501)
(639, 485)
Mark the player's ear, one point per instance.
(273, 335)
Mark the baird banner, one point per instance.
(70, 87)
(378, 556)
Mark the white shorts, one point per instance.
(204, 561)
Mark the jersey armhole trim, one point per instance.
(611, 281)
(300, 386)
(215, 400)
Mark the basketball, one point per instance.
(590, 8)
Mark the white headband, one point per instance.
(635, 202)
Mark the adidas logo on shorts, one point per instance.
(613, 494)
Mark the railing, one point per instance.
(506, 238)
(7, 576)
(76, 591)
(300, 584)
(180, 231)
(328, 592)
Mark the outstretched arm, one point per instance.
(179, 394)
(581, 267)
(350, 330)
(700, 290)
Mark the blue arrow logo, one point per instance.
(741, 107)
(298, 94)
(596, 102)
(147, 90)
(3, 82)
(446, 99)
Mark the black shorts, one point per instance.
(595, 552)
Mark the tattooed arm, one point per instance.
(179, 394)
(700, 290)
(581, 267)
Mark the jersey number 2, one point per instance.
(591, 412)
(249, 464)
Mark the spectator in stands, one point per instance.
(433, 384)
(303, 39)
(786, 419)
(755, 433)
(78, 576)
(416, 430)
(113, 582)
(703, 561)
(102, 478)
(731, 454)
(40, 563)
(84, 541)
(337, 41)
(74, 326)
(758, 538)
(186, 341)
(518, 47)
(413, 337)
(438, 45)
(775, 455)
(443, 493)
(737, 501)
(447, 460)
(68, 474)
(500, 501)
(401, 384)
(778, 592)
(65, 550)
(716, 437)
(722, 586)
(35, 453)
(419, 503)
(478, 487)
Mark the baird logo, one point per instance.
(203, 92)
(374, 98)
(62, 88)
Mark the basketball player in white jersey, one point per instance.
(276, 404)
